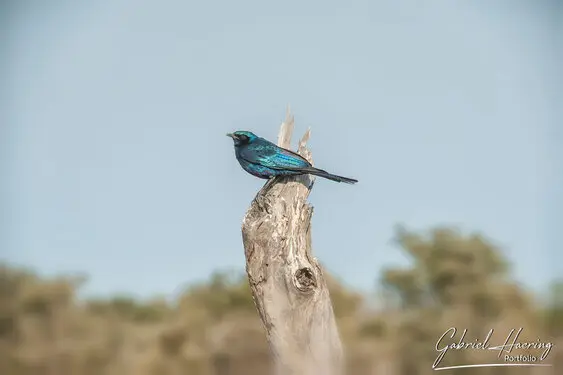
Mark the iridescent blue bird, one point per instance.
(263, 159)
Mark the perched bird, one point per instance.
(263, 159)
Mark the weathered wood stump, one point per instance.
(287, 282)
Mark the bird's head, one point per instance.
(242, 137)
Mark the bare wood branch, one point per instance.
(287, 282)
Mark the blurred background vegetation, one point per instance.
(454, 280)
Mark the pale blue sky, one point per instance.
(117, 165)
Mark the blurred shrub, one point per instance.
(212, 328)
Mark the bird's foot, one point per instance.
(267, 186)
(261, 195)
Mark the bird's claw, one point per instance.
(260, 199)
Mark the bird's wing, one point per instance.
(272, 156)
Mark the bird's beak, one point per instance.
(230, 135)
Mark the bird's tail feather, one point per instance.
(330, 176)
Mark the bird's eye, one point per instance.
(243, 138)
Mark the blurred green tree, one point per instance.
(454, 280)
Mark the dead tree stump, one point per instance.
(287, 282)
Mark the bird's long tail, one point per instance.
(330, 176)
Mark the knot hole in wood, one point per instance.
(305, 280)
